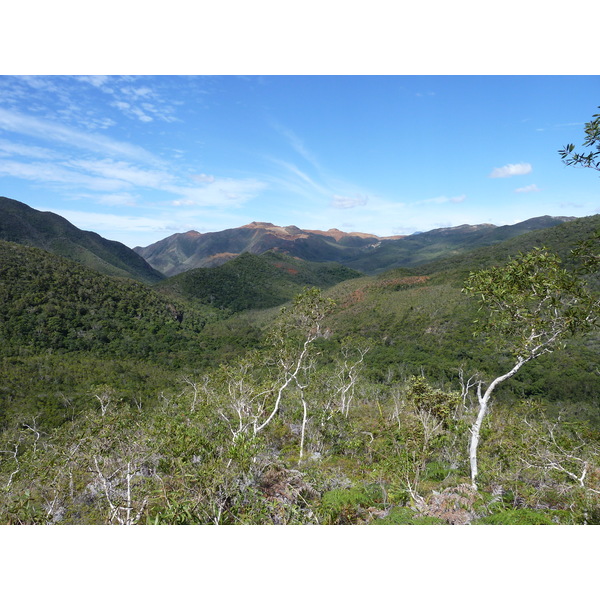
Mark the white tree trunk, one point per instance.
(483, 409)
(304, 419)
(289, 376)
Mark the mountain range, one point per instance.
(363, 252)
(184, 251)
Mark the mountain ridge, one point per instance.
(367, 253)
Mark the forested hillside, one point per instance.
(45, 230)
(255, 281)
(52, 303)
(233, 395)
(422, 248)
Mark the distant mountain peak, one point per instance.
(288, 232)
(259, 225)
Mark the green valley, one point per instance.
(277, 390)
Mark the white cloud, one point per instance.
(296, 143)
(48, 130)
(9, 148)
(345, 202)
(137, 92)
(123, 199)
(528, 188)
(95, 80)
(133, 111)
(301, 183)
(510, 170)
(124, 223)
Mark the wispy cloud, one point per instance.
(527, 189)
(299, 182)
(134, 101)
(203, 178)
(47, 130)
(345, 202)
(95, 80)
(118, 223)
(219, 193)
(560, 126)
(297, 144)
(126, 172)
(122, 199)
(511, 170)
(12, 149)
(51, 173)
(109, 165)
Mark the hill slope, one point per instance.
(48, 231)
(421, 248)
(561, 239)
(419, 321)
(49, 302)
(252, 281)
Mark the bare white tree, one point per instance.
(577, 461)
(349, 368)
(466, 386)
(254, 402)
(118, 486)
(14, 455)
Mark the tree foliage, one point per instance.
(592, 140)
(532, 302)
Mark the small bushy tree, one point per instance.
(532, 304)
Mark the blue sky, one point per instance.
(137, 159)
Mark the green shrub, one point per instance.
(407, 516)
(346, 506)
(436, 471)
(522, 516)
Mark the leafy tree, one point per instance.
(532, 304)
(592, 139)
(587, 250)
